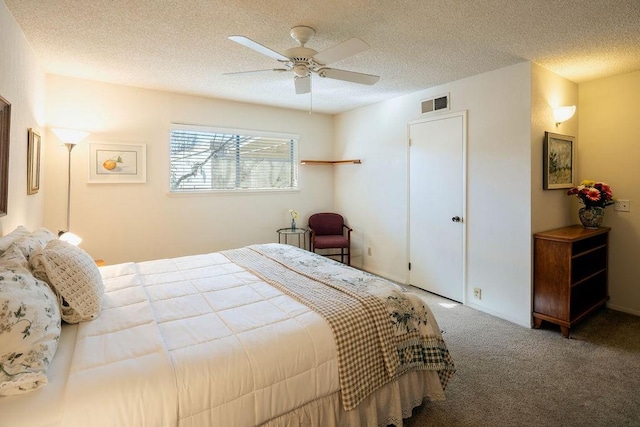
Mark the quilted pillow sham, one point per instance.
(74, 277)
(29, 331)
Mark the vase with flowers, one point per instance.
(595, 196)
(294, 216)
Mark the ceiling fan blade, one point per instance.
(340, 51)
(247, 42)
(255, 71)
(303, 84)
(348, 76)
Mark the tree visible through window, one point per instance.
(210, 159)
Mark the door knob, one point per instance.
(456, 219)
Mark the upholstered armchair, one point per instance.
(328, 231)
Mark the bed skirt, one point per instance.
(387, 406)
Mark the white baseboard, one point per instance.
(381, 274)
(623, 309)
(520, 322)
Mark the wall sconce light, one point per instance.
(70, 138)
(562, 114)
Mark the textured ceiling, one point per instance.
(182, 45)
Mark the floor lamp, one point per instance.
(70, 138)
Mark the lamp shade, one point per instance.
(70, 136)
(562, 114)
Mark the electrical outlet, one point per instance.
(369, 251)
(477, 293)
(622, 205)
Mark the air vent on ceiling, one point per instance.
(435, 104)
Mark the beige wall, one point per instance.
(133, 222)
(606, 127)
(610, 152)
(21, 84)
(550, 208)
(509, 110)
(498, 218)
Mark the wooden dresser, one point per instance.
(570, 274)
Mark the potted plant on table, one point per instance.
(294, 216)
(595, 196)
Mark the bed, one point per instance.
(262, 335)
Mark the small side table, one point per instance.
(570, 278)
(284, 233)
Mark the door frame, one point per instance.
(435, 117)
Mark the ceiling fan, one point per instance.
(304, 61)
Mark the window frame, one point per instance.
(295, 138)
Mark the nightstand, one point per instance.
(570, 275)
(284, 233)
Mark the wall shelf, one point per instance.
(329, 162)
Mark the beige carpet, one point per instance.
(508, 375)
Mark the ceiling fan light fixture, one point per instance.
(301, 70)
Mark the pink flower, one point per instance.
(604, 188)
(593, 194)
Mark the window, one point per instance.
(206, 159)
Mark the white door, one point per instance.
(437, 172)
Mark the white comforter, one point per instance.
(200, 341)
(203, 329)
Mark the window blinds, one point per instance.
(208, 160)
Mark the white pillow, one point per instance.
(8, 239)
(29, 331)
(35, 240)
(74, 277)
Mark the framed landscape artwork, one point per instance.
(559, 161)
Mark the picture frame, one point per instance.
(559, 161)
(117, 163)
(5, 134)
(34, 144)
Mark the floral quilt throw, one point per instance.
(380, 331)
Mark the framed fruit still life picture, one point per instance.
(117, 163)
